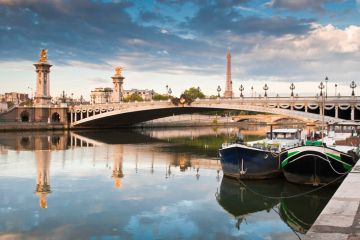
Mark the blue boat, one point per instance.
(259, 159)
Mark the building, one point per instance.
(14, 97)
(101, 95)
(3, 106)
(145, 94)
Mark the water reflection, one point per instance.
(301, 212)
(43, 176)
(117, 171)
(298, 206)
(167, 180)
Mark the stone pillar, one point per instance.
(336, 111)
(75, 116)
(118, 81)
(71, 117)
(42, 95)
(352, 113)
(306, 108)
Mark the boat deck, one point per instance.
(340, 219)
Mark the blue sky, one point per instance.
(181, 44)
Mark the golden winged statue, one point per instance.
(118, 71)
(43, 55)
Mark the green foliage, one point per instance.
(193, 93)
(133, 97)
(28, 102)
(213, 97)
(158, 97)
(10, 104)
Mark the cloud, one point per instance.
(325, 50)
(299, 5)
(211, 20)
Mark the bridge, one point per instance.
(336, 109)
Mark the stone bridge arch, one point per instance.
(126, 114)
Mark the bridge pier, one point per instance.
(336, 111)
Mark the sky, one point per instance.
(181, 44)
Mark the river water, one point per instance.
(142, 184)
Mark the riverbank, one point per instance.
(340, 219)
(31, 126)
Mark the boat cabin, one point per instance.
(288, 134)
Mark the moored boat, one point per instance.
(258, 159)
(316, 164)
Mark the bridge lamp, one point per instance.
(326, 81)
(335, 89)
(353, 86)
(152, 94)
(252, 91)
(321, 87)
(218, 90)
(292, 87)
(265, 89)
(241, 88)
(170, 91)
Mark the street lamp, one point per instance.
(265, 89)
(152, 94)
(169, 91)
(218, 90)
(321, 87)
(292, 87)
(326, 81)
(335, 89)
(353, 86)
(252, 91)
(241, 88)
(167, 88)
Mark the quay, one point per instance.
(340, 219)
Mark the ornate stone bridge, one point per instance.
(336, 109)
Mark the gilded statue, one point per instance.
(43, 55)
(118, 71)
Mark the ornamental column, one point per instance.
(118, 85)
(42, 95)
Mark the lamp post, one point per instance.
(353, 86)
(252, 91)
(152, 94)
(335, 89)
(169, 91)
(321, 87)
(265, 89)
(218, 90)
(326, 81)
(241, 88)
(292, 87)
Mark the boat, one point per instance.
(316, 164)
(258, 159)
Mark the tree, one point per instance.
(157, 97)
(194, 93)
(133, 97)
